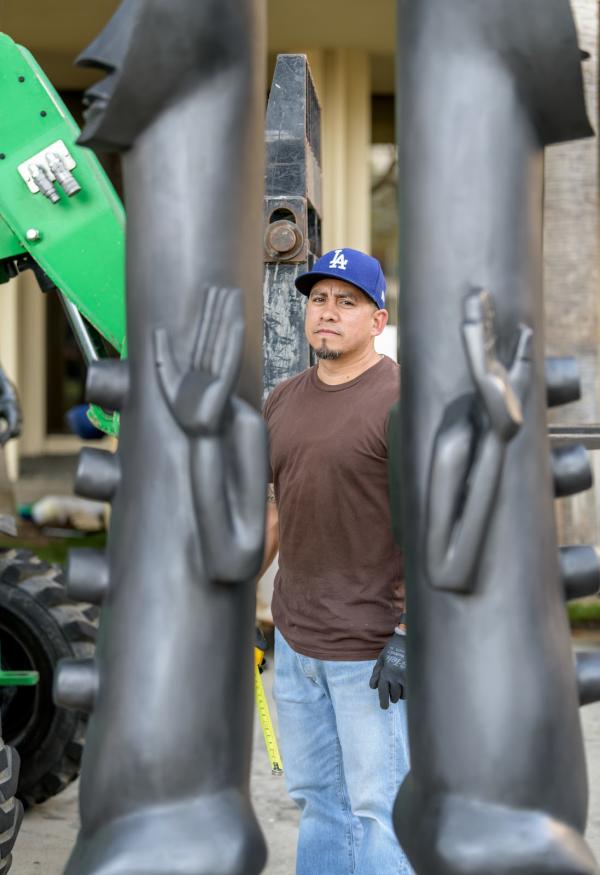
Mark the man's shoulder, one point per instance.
(285, 388)
(387, 379)
(391, 367)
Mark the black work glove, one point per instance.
(389, 673)
(10, 413)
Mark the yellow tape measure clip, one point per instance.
(266, 723)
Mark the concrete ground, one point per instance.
(49, 831)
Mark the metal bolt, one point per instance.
(283, 239)
(33, 234)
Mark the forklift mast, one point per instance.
(293, 212)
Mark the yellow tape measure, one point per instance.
(264, 715)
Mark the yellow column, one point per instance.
(32, 363)
(342, 78)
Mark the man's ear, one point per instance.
(380, 320)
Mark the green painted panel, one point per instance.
(9, 245)
(81, 243)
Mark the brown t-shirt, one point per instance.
(339, 589)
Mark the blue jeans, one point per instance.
(343, 759)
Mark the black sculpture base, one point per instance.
(469, 837)
(214, 835)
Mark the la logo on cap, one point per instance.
(338, 260)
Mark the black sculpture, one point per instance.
(164, 785)
(498, 780)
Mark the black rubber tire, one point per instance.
(39, 625)
(11, 808)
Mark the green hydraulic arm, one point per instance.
(59, 214)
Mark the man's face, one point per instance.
(340, 319)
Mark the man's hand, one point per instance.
(389, 673)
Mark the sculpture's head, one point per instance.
(153, 52)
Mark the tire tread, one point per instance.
(77, 624)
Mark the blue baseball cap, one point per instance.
(350, 265)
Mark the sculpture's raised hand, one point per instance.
(498, 389)
(198, 396)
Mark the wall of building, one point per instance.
(571, 275)
(23, 356)
(342, 79)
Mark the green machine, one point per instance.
(61, 218)
(59, 214)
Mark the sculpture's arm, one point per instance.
(467, 461)
(229, 485)
(228, 438)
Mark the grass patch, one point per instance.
(584, 612)
(53, 549)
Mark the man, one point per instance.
(338, 593)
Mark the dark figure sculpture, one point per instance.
(498, 781)
(164, 785)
